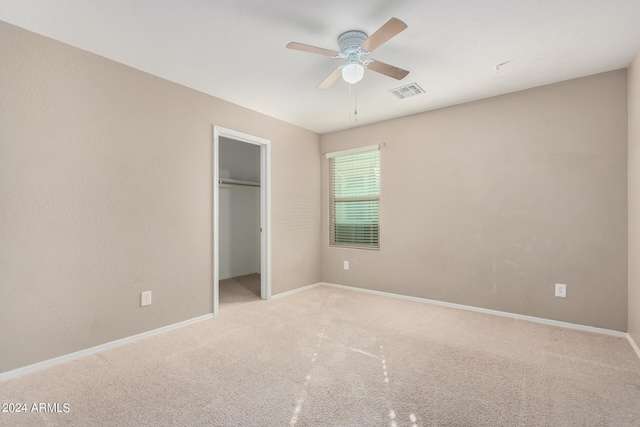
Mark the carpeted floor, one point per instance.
(238, 290)
(332, 357)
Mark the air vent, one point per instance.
(407, 91)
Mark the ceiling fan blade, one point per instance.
(389, 30)
(387, 70)
(311, 49)
(331, 78)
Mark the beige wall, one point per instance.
(634, 199)
(491, 203)
(105, 191)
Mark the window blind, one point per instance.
(354, 205)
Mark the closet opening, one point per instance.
(241, 226)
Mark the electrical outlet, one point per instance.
(145, 298)
(561, 290)
(346, 265)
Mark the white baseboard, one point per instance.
(295, 291)
(634, 346)
(487, 311)
(82, 353)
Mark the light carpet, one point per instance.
(238, 290)
(333, 357)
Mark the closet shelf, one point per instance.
(237, 182)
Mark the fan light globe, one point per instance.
(352, 73)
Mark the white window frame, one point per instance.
(332, 224)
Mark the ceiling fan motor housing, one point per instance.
(351, 41)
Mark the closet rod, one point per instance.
(237, 182)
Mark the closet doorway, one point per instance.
(241, 222)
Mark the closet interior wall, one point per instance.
(239, 206)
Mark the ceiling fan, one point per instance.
(354, 46)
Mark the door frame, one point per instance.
(265, 209)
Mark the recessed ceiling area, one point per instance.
(456, 51)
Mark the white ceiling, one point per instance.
(235, 49)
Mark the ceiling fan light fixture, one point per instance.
(353, 72)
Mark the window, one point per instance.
(354, 198)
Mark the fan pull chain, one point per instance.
(349, 105)
(355, 105)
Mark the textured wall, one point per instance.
(634, 199)
(491, 203)
(105, 191)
